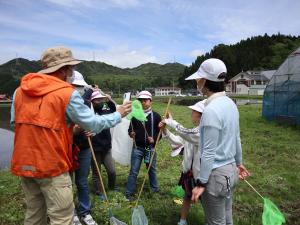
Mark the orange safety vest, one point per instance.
(43, 140)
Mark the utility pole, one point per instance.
(173, 83)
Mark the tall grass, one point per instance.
(271, 153)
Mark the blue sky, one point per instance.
(127, 33)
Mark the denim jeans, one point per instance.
(81, 181)
(137, 157)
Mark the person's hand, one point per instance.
(162, 125)
(132, 134)
(95, 87)
(88, 133)
(124, 109)
(76, 129)
(196, 193)
(109, 97)
(243, 172)
(169, 115)
(151, 140)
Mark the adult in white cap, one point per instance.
(44, 109)
(144, 135)
(83, 208)
(220, 145)
(188, 139)
(78, 79)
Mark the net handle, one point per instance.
(253, 189)
(98, 170)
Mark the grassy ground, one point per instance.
(270, 151)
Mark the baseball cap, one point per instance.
(144, 95)
(210, 69)
(77, 79)
(199, 106)
(176, 149)
(97, 94)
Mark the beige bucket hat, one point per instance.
(56, 57)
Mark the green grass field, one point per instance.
(271, 153)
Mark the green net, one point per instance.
(178, 191)
(137, 111)
(271, 214)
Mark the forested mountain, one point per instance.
(260, 52)
(106, 76)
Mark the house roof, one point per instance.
(264, 75)
(258, 77)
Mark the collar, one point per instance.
(148, 111)
(214, 96)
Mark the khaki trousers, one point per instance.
(217, 197)
(52, 197)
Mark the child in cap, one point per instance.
(144, 135)
(188, 139)
(102, 144)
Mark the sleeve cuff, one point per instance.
(172, 123)
(118, 117)
(200, 184)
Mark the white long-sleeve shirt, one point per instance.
(189, 138)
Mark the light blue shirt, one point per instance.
(78, 113)
(220, 142)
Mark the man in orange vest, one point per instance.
(44, 109)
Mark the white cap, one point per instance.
(210, 69)
(144, 95)
(199, 106)
(77, 79)
(97, 94)
(176, 149)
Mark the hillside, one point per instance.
(151, 74)
(260, 52)
(154, 69)
(270, 152)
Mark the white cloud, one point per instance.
(197, 52)
(230, 25)
(124, 57)
(96, 4)
(121, 56)
(118, 30)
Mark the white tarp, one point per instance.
(121, 143)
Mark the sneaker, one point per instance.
(102, 197)
(161, 193)
(76, 220)
(182, 222)
(88, 220)
(130, 198)
(116, 189)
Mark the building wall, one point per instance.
(167, 92)
(242, 89)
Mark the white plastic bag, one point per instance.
(121, 143)
(139, 216)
